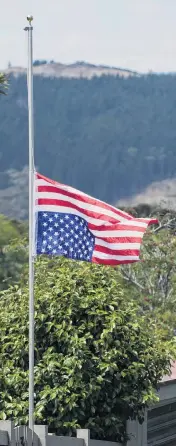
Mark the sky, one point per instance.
(136, 34)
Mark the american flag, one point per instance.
(70, 223)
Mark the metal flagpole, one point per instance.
(29, 29)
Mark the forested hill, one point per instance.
(110, 136)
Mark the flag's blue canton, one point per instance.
(64, 234)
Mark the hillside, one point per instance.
(106, 131)
(76, 70)
(161, 193)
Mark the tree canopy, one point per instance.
(95, 362)
(153, 280)
(13, 253)
(3, 83)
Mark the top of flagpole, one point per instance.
(30, 19)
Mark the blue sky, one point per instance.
(134, 34)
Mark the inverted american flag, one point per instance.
(75, 225)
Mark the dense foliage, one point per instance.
(95, 362)
(13, 254)
(3, 83)
(108, 136)
(153, 281)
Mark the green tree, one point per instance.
(3, 83)
(95, 363)
(153, 280)
(13, 252)
(154, 277)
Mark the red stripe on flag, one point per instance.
(61, 203)
(117, 227)
(125, 239)
(111, 262)
(120, 252)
